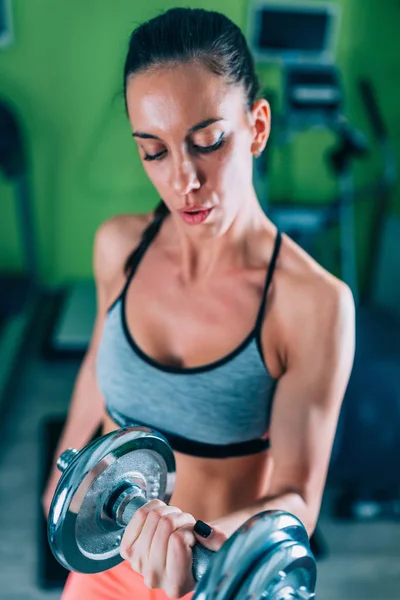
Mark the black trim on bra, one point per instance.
(202, 450)
(179, 370)
(199, 449)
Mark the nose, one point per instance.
(184, 176)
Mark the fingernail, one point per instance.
(202, 529)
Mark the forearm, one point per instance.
(85, 414)
(290, 502)
(86, 411)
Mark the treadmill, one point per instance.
(19, 292)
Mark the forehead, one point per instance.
(181, 96)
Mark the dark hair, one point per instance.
(182, 35)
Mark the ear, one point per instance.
(260, 120)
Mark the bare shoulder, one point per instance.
(115, 239)
(315, 309)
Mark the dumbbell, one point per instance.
(103, 485)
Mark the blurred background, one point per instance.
(329, 178)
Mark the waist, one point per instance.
(210, 489)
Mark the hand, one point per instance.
(158, 543)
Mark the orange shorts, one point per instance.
(119, 583)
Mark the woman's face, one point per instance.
(196, 139)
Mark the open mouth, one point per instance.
(194, 217)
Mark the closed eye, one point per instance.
(220, 142)
(201, 149)
(154, 156)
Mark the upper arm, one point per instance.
(309, 394)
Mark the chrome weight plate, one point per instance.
(270, 549)
(288, 571)
(82, 535)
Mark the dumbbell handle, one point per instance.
(130, 500)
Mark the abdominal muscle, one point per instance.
(209, 489)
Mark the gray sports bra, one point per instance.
(218, 410)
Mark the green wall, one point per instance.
(63, 75)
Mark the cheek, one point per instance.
(158, 175)
(235, 167)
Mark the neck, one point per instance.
(202, 257)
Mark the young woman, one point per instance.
(226, 337)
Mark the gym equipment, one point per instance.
(301, 37)
(382, 191)
(127, 465)
(312, 97)
(73, 321)
(386, 289)
(19, 293)
(105, 483)
(50, 573)
(267, 557)
(293, 32)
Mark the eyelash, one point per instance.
(201, 149)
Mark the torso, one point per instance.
(188, 326)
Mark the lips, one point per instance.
(195, 216)
(194, 209)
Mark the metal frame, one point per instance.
(7, 34)
(285, 56)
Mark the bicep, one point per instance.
(307, 404)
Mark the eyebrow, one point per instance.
(202, 125)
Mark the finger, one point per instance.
(157, 558)
(137, 547)
(144, 541)
(135, 526)
(178, 568)
(213, 539)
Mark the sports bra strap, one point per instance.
(271, 269)
(148, 235)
